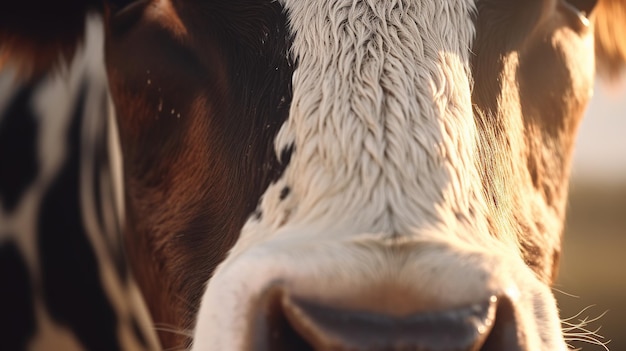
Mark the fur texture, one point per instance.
(610, 31)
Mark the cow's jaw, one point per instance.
(383, 189)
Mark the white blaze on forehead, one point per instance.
(381, 118)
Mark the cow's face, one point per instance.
(392, 174)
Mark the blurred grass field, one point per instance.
(593, 265)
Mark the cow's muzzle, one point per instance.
(422, 296)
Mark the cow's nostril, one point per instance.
(270, 329)
(504, 334)
(285, 322)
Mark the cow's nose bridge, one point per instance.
(281, 321)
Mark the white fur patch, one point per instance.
(381, 118)
(385, 156)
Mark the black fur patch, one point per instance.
(100, 164)
(285, 154)
(73, 291)
(17, 316)
(18, 148)
(284, 192)
(258, 214)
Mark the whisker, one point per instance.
(172, 329)
(584, 332)
(565, 293)
(579, 313)
(176, 348)
(590, 341)
(575, 329)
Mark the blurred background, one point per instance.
(593, 265)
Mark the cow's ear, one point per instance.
(610, 32)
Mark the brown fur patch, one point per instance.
(198, 110)
(532, 85)
(610, 27)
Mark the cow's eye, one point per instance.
(585, 7)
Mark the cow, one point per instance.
(346, 174)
